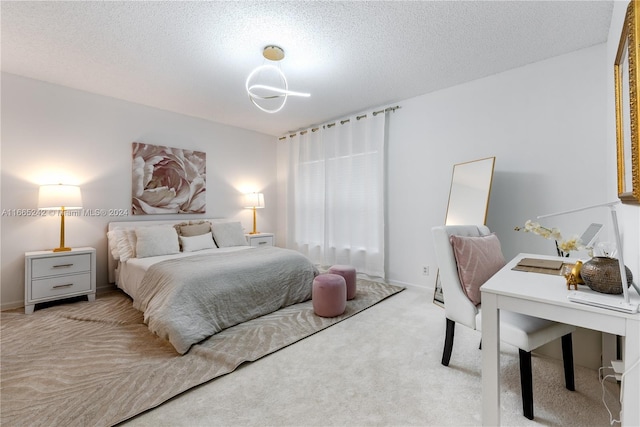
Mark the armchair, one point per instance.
(524, 332)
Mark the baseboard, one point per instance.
(11, 305)
(106, 288)
(411, 285)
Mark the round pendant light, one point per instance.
(271, 97)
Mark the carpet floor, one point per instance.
(382, 368)
(97, 364)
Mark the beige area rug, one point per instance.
(96, 363)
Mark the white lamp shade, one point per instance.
(56, 196)
(254, 200)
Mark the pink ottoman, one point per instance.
(329, 295)
(349, 274)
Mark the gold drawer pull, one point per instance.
(62, 265)
(62, 286)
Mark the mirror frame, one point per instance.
(438, 297)
(627, 115)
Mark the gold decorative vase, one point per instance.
(602, 274)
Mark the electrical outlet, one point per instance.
(425, 270)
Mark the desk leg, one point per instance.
(490, 360)
(631, 383)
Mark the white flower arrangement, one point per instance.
(563, 246)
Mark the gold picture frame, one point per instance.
(626, 88)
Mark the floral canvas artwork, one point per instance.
(167, 180)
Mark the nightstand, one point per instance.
(262, 239)
(50, 276)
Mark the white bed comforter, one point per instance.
(188, 299)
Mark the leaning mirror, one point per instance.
(468, 199)
(470, 191)
(626, 89)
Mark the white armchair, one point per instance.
(524, 332)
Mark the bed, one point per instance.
(192, 279)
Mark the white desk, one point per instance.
(545, 296)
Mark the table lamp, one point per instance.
(254, 201)
(60, 197)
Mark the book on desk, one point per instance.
(543, 266)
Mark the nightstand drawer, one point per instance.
(54, 286)
(66, 264)
(261, 241)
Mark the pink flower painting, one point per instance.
(167, 180)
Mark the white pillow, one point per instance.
(197, 243)
(122, 243)
(228, 234)
(156, 240)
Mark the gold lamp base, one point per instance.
(62, 247)
(254, 223)
(254, 201)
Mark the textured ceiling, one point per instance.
(193, 57)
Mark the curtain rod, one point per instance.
(342, 122)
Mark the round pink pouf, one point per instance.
(349, 274)
(329, 295)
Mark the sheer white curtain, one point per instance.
(336, 193)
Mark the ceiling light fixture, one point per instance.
(274, 97)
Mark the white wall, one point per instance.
(546, 125)
(551, 126)
(51, 133)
